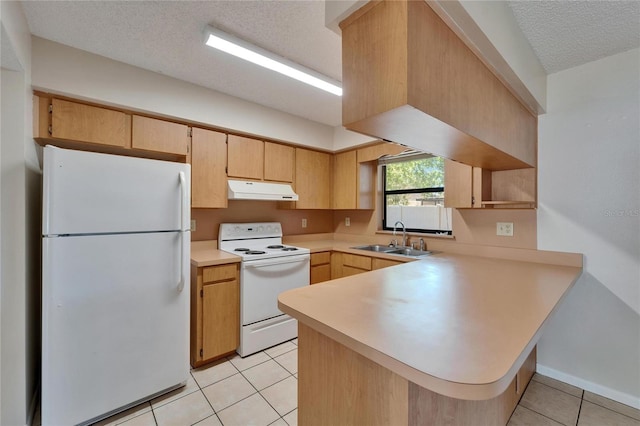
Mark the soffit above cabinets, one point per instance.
(167, 37)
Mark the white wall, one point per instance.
(19, 225)
(589, 202)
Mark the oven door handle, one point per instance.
(260, 264)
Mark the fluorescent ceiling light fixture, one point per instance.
(244, 50)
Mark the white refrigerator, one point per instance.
(115, 285)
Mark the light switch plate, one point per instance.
(504, 229)
(304, 223)
(193, 225)
(347, 221)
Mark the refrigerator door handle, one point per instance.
(183, 202)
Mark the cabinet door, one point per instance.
(313, 179)
(245, 157)
(151, 134)
(278, 162)
(320, 267)
(377, 263)
(84, 123)
(220, 318)
(458, 180)
(320, 273)
(345, 180)
(208, 162)
(465, 186)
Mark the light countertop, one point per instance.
(455, 324)
(206, 253)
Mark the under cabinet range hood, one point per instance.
(268, 191)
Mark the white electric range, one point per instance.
(268, 268)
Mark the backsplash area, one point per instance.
(208, 220)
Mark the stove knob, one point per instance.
(260, 228)
(236, 230)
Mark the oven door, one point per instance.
(261, 281)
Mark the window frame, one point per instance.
(385, 193)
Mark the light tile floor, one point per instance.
(261, 389)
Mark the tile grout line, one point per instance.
(580, 408)
(609, 409)
(540, 414)
(552, 387)
(262, 396)
(215, 413)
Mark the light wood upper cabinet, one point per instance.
(313, 179)
(84, 123)
(354, 182)
(473, 187)
(345, 180)
(245, 158)
(278, 162)
(151, 134)
(431, 91)
(208, 163)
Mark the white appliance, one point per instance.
(115, 311)
(252, 190)
(267, 269)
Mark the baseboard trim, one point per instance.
(621, 397)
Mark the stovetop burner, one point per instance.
(256, 241)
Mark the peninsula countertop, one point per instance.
(455, 324)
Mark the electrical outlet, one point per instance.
(193, 225)
(504, 229)
(347, 221)
(304, 223)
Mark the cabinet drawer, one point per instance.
(359, 262)
(320, 258)
(219, 273)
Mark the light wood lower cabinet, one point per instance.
(377, 263)
(328, 391)
(215, 312)
(320, 267)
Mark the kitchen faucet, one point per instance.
(404, 233)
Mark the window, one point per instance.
(413, 193)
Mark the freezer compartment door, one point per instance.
(115, 323)
(90, 193)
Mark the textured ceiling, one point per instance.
(167, 37)
(564, 34)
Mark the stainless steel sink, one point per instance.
(408, 251)
(401, 251)
(377, 248)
